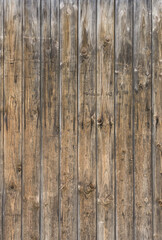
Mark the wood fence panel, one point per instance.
(105, 120)
(124, 119)
(12, 118)
(68, 78)
(142, 119)
(32, 113)
(50, 96)
(80, 119)
(157, 116)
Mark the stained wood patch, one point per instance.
(80, 119)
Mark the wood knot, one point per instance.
(19, 168)
(106, 42)
(157, 121)
(84, 53)
(68, 11)
(86, 189)
(105, 201)
(92, 121)
(89, 188)
(146, 200)
(140, 86)
(147, 74)
(139, 205)
(147, 108)
(34, 113)
(110, 123)
(100, 122)
(160, 202)
(158, 146)
(13, 102)
(12, 187)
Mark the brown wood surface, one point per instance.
(32, 113)
(1, 119)
(80, 119)
(68, 160)
(142, 119)
(87, 120)
(12, 118)
(50, 118)
(124, 119)
(105, 120)
(157, 116)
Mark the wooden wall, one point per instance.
(80, 119)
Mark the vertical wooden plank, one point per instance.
(157, 114)
(12, 118)
(142, 119)
(50, 117)
(1, 118)
(31, 166)
(87, 120)
(124, 121)
(68, 78)
(105, 119)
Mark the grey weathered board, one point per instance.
(80, 119)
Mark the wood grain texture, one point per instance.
(124, 120)
(12, 118)
(142, 119)
(32, 129)
(157, 115)
(68, 78)
(80, 119)
(105, 119)
(50, 118)
(1, 118)
(87, 120)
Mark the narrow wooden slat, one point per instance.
(124, 121)
(50, 117)
(31, 165)
(87, 120)
(68, 78)
(105, 119)
(1, 118)
(12, 118)
(142, 119)
(157, 114)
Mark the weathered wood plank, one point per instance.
(105, 119)
(68, 78)
(87, 120)
(157, 114)
(124, 120)
(12, 118)
(50, 117)
(1, 119)
(142, 119)
(32, 129)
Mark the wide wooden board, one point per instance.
(12, 119)
(1, 118)
(68, 157)
(142, 119)
(105, 120)
(157, 116)
(87, 119)
(50, 96)
(31, 216)
(123, 119)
